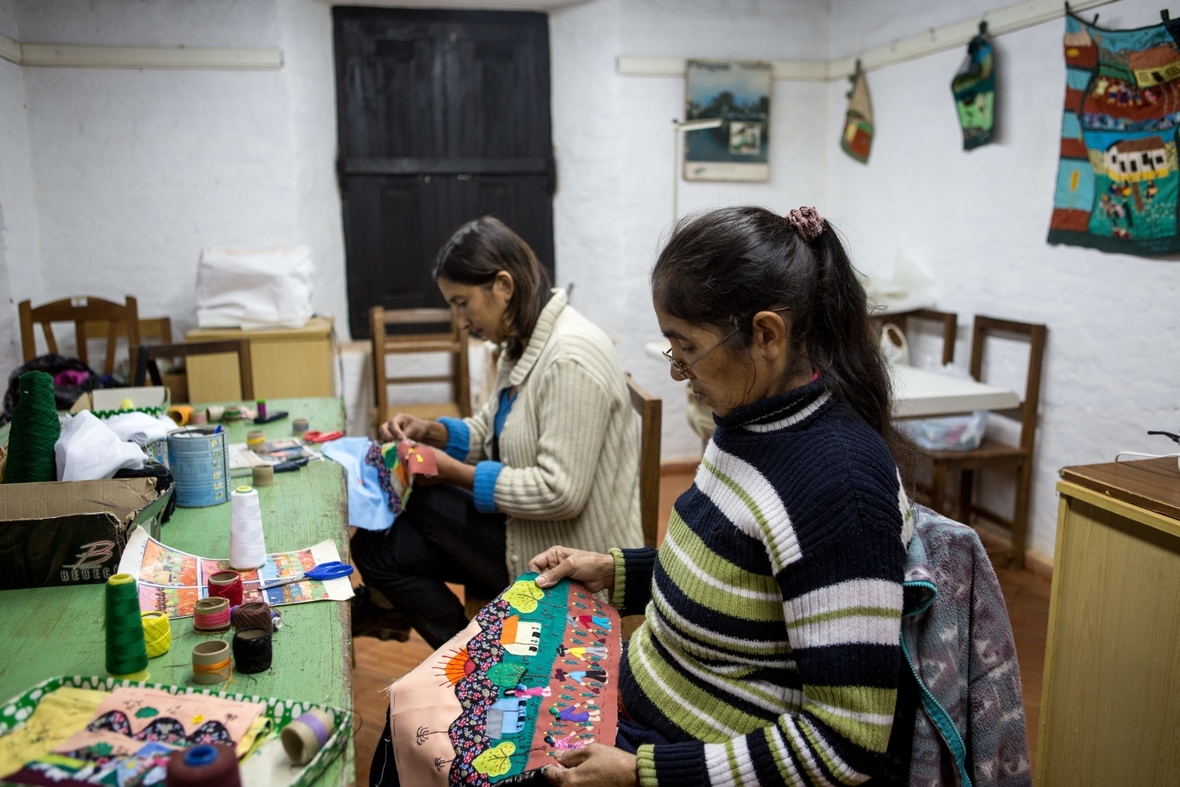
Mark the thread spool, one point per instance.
(226, 585)
(252, 652)
(211, 663)
(199, 418)
(300, 426)
(181, 414)
(264, 475)
(126, 647)
(35, 429)
(207, 765)
(304, 737)
(211, 615)
(262, 409)
(232, 414)
(256, 441)
(198, 459)
(157, 633)
(247, 548)
(216, 412)
(255, 615)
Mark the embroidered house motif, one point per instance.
(532, 674)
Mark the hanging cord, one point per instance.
(1173, 437)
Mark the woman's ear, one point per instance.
(503, 285)
(771, 335)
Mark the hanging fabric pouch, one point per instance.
(858, 121)
(974, 88)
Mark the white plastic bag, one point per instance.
(265, 288)
(954, 433)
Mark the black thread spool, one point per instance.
(252, 651)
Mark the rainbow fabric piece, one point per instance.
(1118, 178)
(533, 673)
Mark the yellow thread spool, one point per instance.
(256, 441)
(157, 633)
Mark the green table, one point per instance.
(59, 631)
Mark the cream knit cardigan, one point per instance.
(570, 445)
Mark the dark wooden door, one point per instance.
(443, 117)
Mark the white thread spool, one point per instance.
(247, 550)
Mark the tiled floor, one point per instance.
(379, 663)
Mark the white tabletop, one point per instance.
(918, 393)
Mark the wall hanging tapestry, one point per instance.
(1117, 182)
(857, 139)
(532, 674)
(739, 94)
(974, 88)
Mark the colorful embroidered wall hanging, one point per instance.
(857, 139)
(974, 88)
(1117, 181)
(533, 673)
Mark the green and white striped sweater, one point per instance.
(770, 653)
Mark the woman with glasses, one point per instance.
(551, 458)
(770, 650)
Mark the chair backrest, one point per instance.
(150, 353)
(447, 338)
(650, 409)
(950, 327)
(1035, 334)
(121, 319)
(157, 328)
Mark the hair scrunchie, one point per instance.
(807, 222)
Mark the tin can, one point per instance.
(199, 461)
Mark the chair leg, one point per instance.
(1020, 515)
(966, 488)
(938, 487)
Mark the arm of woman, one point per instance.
(574, 409)
(844, 626)
(465, 436)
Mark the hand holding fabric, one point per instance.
(404, 426)
(594, 766)
(594, 570)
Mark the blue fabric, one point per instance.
(458, 437)
(506, 401)
(486, 474)
(368, 504)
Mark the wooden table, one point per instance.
(918, 393)
(1110, 703)
(59, 631)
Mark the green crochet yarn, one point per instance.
(34, 431)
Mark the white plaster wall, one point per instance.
(614, 153)
(977, 222)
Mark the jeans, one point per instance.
(439, 538)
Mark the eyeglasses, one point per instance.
(682, 368)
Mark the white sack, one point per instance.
(265, 288)
(88, 450)
(140, 428)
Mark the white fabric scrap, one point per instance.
(140, 428)
(88, 450)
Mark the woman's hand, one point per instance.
(450, 470)
(404, 426)
(593, 569)
(594, 766)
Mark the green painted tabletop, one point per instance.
(59, 631)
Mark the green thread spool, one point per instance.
(126, 648)
(35, 429)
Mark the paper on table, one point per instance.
(173, 581)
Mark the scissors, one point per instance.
(333, 569)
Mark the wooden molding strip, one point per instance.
(149, 57)
(1000, 21)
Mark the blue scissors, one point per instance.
(333, 569)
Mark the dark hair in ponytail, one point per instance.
(722, 267)
(479, 250)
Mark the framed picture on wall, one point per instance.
(738, 93)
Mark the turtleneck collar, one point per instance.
(779, 411)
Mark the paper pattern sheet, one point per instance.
(173, 581)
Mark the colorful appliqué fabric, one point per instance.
(1117, 181)
(974, 88)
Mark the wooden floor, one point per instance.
(379, 663)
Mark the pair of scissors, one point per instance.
(333, 569)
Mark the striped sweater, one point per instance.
(770, 653)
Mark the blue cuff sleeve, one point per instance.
(486, 474)
(458, 437)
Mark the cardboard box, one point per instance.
(149, 399)
(74, 532)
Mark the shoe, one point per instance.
(369, 620)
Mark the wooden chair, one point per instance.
(149, 354)
(650, 411)
(121, 319)
(950, 327)
(992, 455)
(451, 341)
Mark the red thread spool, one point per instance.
(211, 615)
(227, 585)
(208, 765)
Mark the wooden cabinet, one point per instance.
(1110, 707)
(287, 363)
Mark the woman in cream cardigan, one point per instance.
(552, 458)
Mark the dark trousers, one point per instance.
(439, 538)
